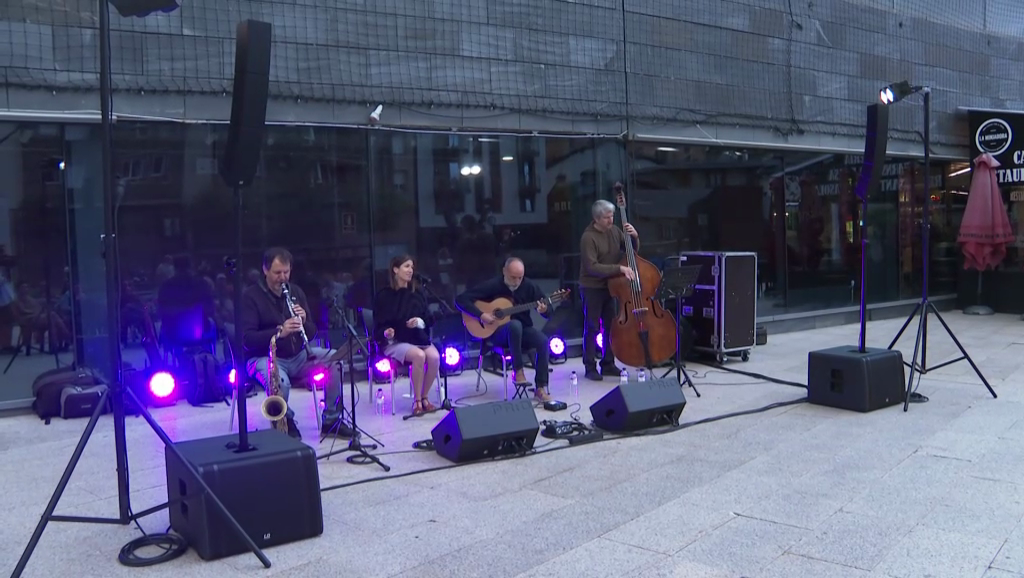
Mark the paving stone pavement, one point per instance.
(798, 491)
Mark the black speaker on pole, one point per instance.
(486, 430)
(860, 378)
(639, 405)
(273, 492)
(248, 103)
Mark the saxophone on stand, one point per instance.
(275, 408)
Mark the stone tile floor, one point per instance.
(798, 491)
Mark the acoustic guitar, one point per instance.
(502, 309)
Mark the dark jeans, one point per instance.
(518, 339)
(598, 314)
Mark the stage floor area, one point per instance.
(799, 491)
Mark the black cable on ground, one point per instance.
(760, 376)
(171, 545)
(423, 445)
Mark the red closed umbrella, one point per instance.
(985, 230)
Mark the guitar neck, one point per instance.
(518, 308)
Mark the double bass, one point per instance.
(643, 332)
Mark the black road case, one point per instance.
(723, 306)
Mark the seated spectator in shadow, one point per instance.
(36, 321)
(187, 309)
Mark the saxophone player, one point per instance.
(266, 312)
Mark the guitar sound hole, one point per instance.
(499, 314)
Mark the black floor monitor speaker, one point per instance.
(844, 378)
(486, 430)
(639, 405)
(273, 492)
(248, 103)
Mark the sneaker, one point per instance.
(592, 374)
(293, 430)
(337, 428)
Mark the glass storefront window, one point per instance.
(800, 213)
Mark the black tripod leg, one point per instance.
(913, 360)
(688, 380)
(905, 325)
(17, 352)
(61, 485)
(962, 350)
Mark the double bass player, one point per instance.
(602, 247)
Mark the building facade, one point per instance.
(735, 125)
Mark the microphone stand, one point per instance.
(354, 444)
(446, 403)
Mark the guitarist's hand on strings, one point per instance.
(542, 307)
(486, 318)
(629, 273)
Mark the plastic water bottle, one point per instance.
(379, 402)
(641, 375)
(624, 376)
(574, 384)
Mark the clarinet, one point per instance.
(291, 310)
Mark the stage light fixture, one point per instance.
(162, 388)
(558, 350)
(232, 376)
(452, 359)
(382, 370)
(897, 91)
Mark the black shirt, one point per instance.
(393, 308)
(262, 312)
(527, 292)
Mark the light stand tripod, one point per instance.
(925, 306)
(676, 283)
(354, 444)
(116, 391)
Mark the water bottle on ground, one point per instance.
(574, 384)
(624, 376)
(641, 375)
(378, 406)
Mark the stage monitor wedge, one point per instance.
(248, 104)
(639, 405)
(876, 142)
(486, 430)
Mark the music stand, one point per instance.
(354, 444)
(676, 283)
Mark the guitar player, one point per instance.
(519, 334)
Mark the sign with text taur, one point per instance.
(1000, 134)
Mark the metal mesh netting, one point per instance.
(793, 65)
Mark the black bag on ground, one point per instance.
(49, 386)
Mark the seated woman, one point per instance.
(400, 328)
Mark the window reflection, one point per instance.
(800, 213)
(37, 312)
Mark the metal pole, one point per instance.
(111, 264)
(926, 222)
(239, 342)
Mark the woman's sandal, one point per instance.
(417, 408)
(427, 406)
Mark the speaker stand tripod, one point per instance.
(925, 306)
(355, 445)
(676, 283)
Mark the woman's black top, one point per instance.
(393, 308)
